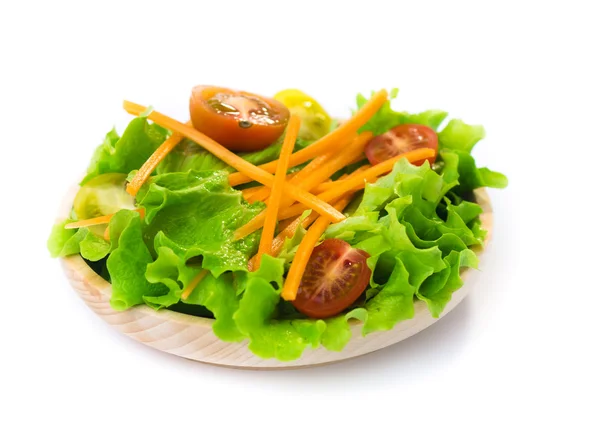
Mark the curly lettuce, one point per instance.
(127, 152)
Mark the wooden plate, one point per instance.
(192, 337)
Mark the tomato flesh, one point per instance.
(240, 121)
(335, 277)
(401, 139)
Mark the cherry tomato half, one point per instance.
(335, 276)
(401, 139)
(238, 120)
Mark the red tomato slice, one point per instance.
(401, 139)
(335, 276)
(238, 120)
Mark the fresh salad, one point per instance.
(279, 222)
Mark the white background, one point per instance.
(521, 349)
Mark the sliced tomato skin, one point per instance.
(401, 139)
(226, 130)
(335, 277)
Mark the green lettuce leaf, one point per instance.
(198, 213)
(66, 242)
(392, 304)
(398, 225)
(168, 269)
(456, 142)
(218, 296)
(94, 247)
(457, 135)
(255, 318)
(188, 156)
(128, 262)
(337, 333)
(128, 152)
(387, 118)
(437, 290)
(462, 164)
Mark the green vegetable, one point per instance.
(271, 338)
(219, 296)
(66, 242)
(169, 269)
(128, 262)
(410, 245)
(189, 156)
(457, 135)
(198, 212)
(126, 153)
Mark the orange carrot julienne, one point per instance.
(248, 193)
(105, 219)
(315, 178)
(285, 223)
(322, 167)
(266, 238)
(254, 172)
(294, 276)
(287, 232)
(305, 249)
(329, 142)
(290, 229)
(263, 192)
(150, 165)
(189, 288)
(359, 180)
(333, 183)
(259, 196)
(297, 178)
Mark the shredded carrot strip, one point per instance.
(289, 230)
(313, 179)
(266, 238)
(283, 224)
(235, 161)
(329, 142)
(248, 193)
(331, 184)
(105, 219)
(263, 192)
(188, 289)
(305, 249)
(259, 196)
(358, 181)
(150, 165)
(297, 178)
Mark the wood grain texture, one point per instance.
(192, 337)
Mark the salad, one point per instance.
(278, 221)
